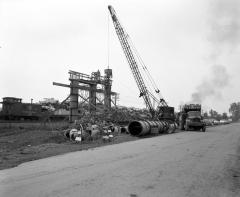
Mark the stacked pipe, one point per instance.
(140, 128)
(172, 127)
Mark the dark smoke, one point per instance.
(213, 85)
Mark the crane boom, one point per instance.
(123, 38)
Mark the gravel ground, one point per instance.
(182, 164)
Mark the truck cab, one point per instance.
(190, 118)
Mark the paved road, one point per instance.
(182, 164)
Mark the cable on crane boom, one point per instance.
(156, 89)
(144, 66)
(129, 51)
(150, 78)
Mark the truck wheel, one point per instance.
(186, 127)
(203, 129)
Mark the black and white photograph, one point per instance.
(119, 98)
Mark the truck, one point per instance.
(190, 117)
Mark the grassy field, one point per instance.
(33, 125)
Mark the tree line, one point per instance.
(215, 115)
(234, 110)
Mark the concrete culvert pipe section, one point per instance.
(137, 128)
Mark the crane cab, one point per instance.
(166, 113)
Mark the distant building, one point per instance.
(49, 100)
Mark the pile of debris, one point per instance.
(115, 115)
(125, 114)
(104, 125)
(81, 131)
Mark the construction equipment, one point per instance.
(190, 117)
(140, 128)
(162, 111)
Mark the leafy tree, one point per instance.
(224, 116)
(213, 114)
(218, 116)
(235, 111)
(205, 114)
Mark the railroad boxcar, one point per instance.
(14, 109)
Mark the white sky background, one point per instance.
(42, 39)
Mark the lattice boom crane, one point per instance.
(128, 51)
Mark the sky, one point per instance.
(191, 48)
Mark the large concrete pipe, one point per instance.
(139, 128)
(172, 128)
(165, 126)
(156, 126)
